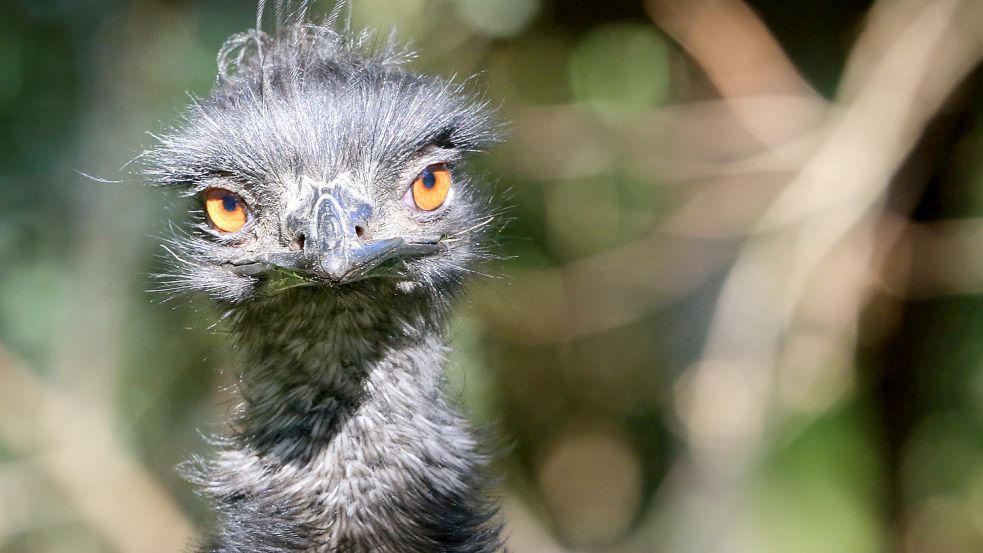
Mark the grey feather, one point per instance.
(343, 439)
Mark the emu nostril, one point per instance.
(359, 231)
(297, 244)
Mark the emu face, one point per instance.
(319, 164)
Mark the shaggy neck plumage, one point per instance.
(344, 441)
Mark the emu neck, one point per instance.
(312, 358)
(343, 440)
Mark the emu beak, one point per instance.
(334, 247)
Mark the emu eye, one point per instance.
(226, 210)
(430, 189)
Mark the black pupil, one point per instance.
(429, 179)
(229, 202)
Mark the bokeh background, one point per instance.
(740, 305)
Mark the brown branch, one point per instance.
(78, 451)
(788, 309)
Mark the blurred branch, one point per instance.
(601, 292)
(659, 146)
(741, 151)
(731, 44)
(788, 309)
(45, 510)
(79, 453)
(739, 56)
(765, 102)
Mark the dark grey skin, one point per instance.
(336, 291)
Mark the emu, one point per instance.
(334, 223)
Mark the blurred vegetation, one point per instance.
(740, 305)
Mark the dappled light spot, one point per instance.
(591, 482)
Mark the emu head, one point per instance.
(318, 160)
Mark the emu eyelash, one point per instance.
(427, 157)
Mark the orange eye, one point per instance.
(430, 189)
(226, 210)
